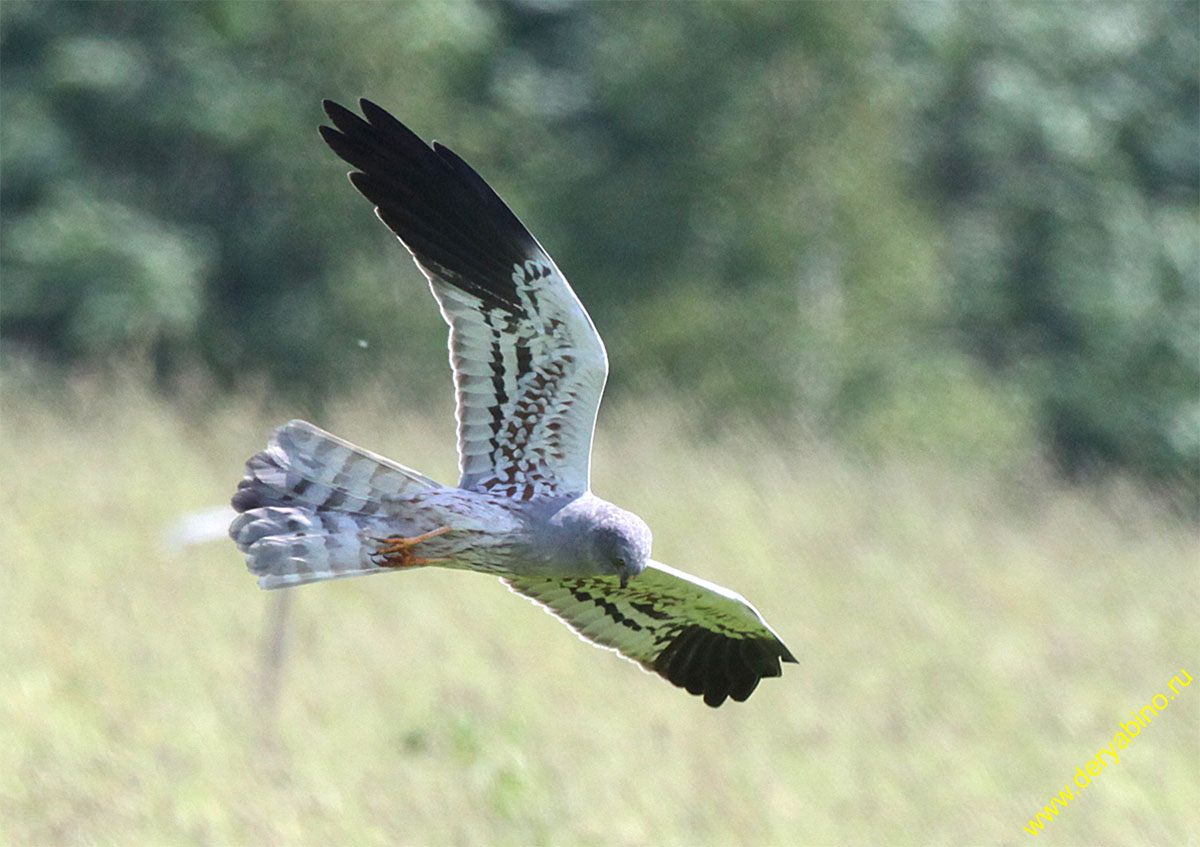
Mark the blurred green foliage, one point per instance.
(965, 228)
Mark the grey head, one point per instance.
(597, 538)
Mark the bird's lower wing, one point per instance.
(693, 633)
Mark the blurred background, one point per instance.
(917, 285)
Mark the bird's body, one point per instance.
(334, 501)
(529, 369)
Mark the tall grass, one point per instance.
(965, 642)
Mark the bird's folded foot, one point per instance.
(397, 551)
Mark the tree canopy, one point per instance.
(958, 226)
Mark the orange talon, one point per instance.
(397, 550)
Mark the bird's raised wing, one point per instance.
(529, 367)
(689, 631)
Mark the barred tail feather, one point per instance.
(288, 546)
(304, 465)
(309, 501)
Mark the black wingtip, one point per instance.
(339, 114)
(444, 212)
(716, 666)
(375, 114)
(328, 134)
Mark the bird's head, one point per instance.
(621, 544)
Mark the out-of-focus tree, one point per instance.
(165, 191)
(720, 183)
(930, 225)
(1058, 146)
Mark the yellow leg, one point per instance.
(396, 551)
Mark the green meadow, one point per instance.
(967, 640)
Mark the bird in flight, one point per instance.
(529, 369)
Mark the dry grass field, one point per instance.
(967, 640)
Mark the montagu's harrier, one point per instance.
(529, 369)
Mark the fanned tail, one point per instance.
(307, 503)
(304, 465)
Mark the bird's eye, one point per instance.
(620, 569)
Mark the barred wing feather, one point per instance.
(693, 633)
(529, 366)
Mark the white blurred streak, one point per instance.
(198, 528)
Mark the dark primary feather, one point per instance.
(716, 666)
(446, 215)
